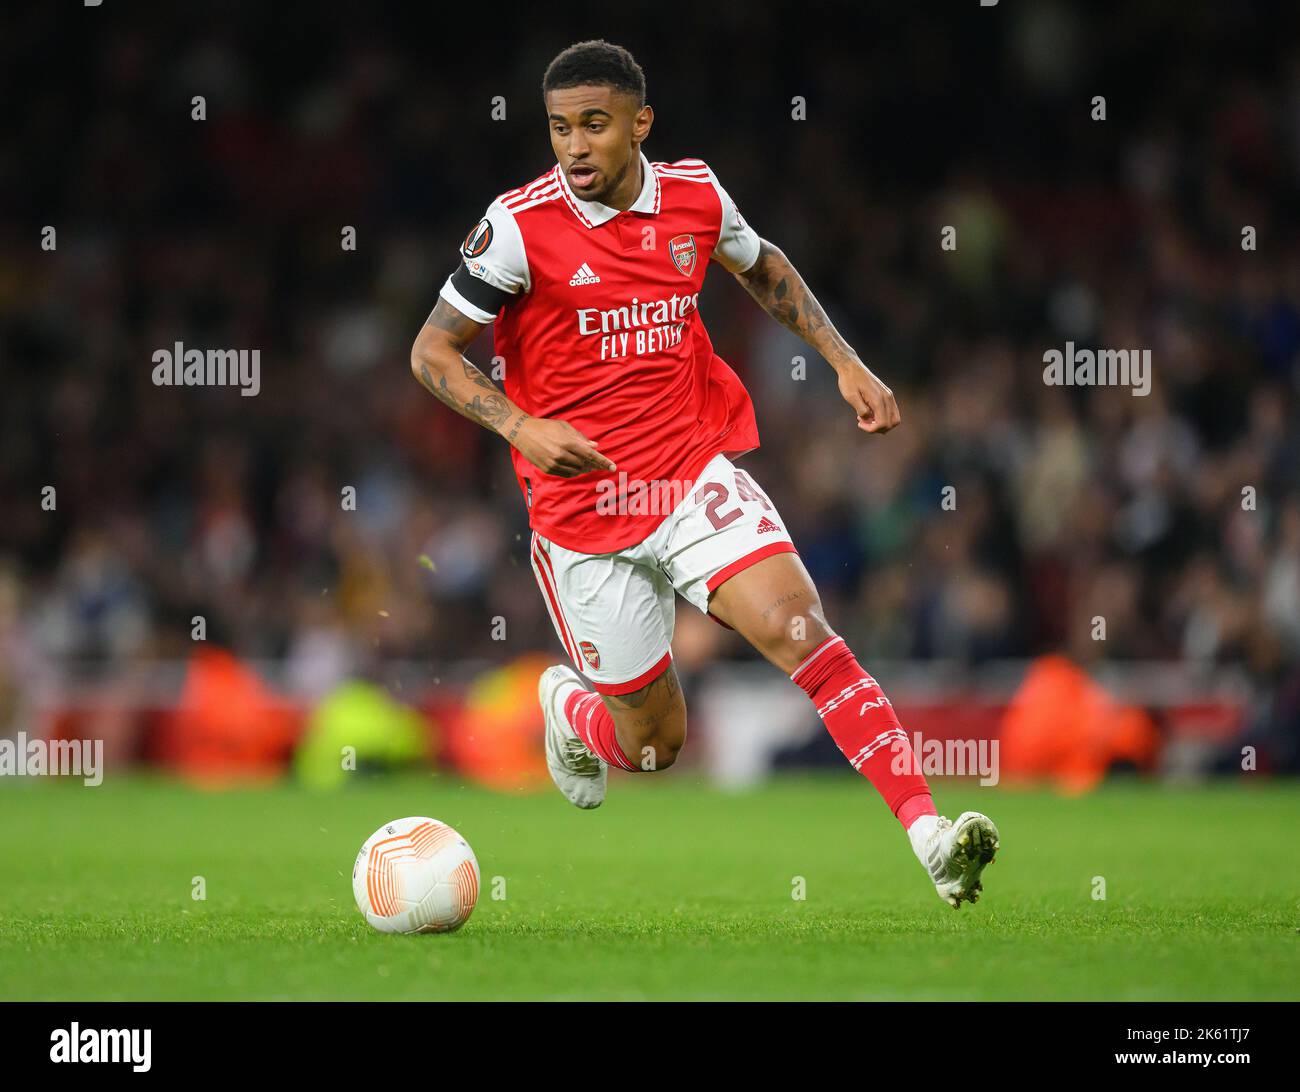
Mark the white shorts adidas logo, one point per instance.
(584, 276)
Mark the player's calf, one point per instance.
(651, 722)
(774, 605)
(640, 732)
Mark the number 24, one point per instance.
(717, 496)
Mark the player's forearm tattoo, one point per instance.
(510, 439)
(491, 411)
(777, 287)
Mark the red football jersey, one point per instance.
(596, 319)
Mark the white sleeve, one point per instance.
(493, 267)
(738, 243)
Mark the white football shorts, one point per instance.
(614, 612)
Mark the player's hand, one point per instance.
(871, 400)
(556, 447)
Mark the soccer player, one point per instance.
(624, 424)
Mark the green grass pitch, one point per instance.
(671, 890)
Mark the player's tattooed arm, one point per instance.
(437, 362)
(779, 289)
(781, 292)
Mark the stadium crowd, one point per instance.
(1175, 516)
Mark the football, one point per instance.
(416, 875)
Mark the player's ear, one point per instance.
(641, 123)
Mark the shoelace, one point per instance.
(581, 761)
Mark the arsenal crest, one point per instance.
(590, 654)
(681, 248)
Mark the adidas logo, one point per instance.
(765, 525)
(583, 276)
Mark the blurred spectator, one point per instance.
(1071, 502)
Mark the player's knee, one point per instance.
(660, 753)
(789, 634)
(657, 742)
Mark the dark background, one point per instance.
(1073, 503)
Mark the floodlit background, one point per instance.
(1174, 517)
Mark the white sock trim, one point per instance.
(919, 833)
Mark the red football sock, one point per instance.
(595, 727)
(862, 722)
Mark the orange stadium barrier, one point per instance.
(495, 737)
(228, 725)
(1063, 726)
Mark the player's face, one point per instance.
(596, 133)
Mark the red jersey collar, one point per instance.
(593, 213)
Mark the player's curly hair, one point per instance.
(599, 63)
